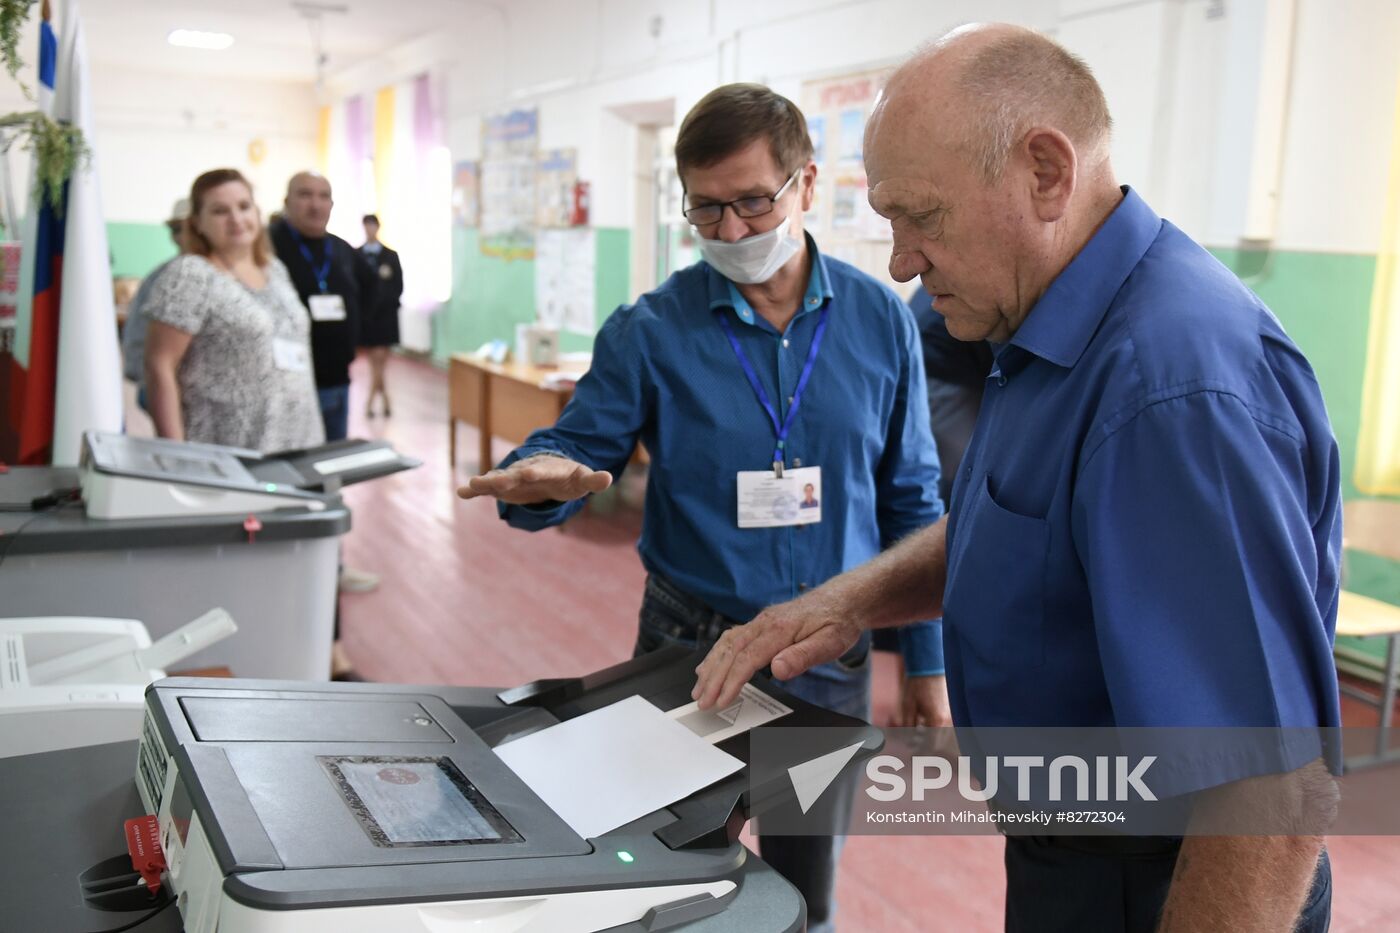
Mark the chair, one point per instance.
(1373, 526)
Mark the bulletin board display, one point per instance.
(555, 179)
(565, 272)
(841, 218)
(509, 156)
(466, 194)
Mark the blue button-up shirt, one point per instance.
(1146, 527)
(664, 374)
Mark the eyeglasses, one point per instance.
(706, 214)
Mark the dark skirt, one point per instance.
(381, 328)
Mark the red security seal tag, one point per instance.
(143, 844)
(252, 525)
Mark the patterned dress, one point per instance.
(246, 379)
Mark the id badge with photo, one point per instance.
(291, 355)
(327, 308)
(769, 501)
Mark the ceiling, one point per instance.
(272, 38)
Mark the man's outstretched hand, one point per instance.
(537, 479)
(791, 638)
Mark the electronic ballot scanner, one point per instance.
(269, 806)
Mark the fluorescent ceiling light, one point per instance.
(197, 39)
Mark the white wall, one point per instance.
(1177, 74)
(1336, 153)
(155, 134)
(1181, 78)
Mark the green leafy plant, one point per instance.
(59, 149)
(13, 13)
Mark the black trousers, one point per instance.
(1060, 884)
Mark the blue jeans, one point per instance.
(335, 410)
(1053, 885)
(670, 616)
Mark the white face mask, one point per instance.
(754, 259)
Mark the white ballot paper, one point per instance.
(752, 709)
(606, 768)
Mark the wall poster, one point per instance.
(841, 218)
(556, 177)
(509, 151)
(466, 194)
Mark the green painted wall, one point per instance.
(1324, 302)
(138, 248)
(491, 295)
(614, 275)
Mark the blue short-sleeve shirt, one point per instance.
(665, 375)
(1146, 530)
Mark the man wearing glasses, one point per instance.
(763, 370)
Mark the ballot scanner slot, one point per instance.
(654, 676)
(339, 463)
(276, 472)
(374, 718)
(516, 726)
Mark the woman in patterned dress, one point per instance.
(228, 354)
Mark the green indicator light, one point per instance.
(625, 857)
(271, 487)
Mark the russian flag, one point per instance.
(35, 378)
(72, 381)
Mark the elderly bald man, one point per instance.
(334, 284)
(1145, 528)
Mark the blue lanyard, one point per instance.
(782, 428)
(322, 272)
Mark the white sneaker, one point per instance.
(341, 666)
(357, 581)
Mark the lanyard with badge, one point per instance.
(324, 307)
(779, 497)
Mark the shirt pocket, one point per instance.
(995, 600)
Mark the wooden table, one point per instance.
(506, 400)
